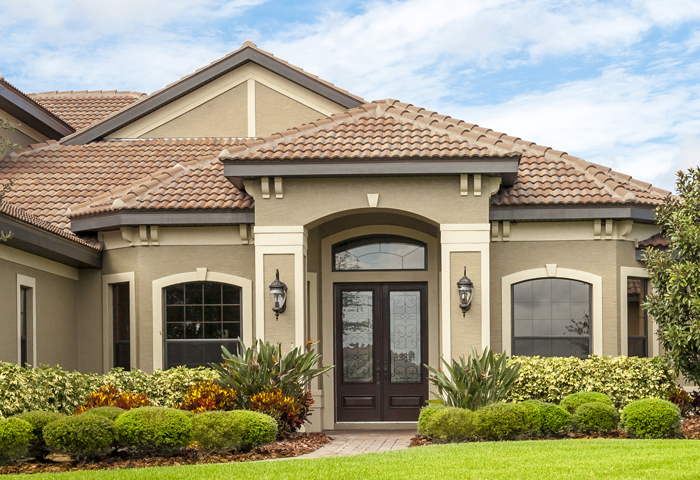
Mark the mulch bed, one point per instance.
(690, 427)
(293, 446)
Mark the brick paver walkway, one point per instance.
(355, 442)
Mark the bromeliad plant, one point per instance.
(264, 368)
(474, 382)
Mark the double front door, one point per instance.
(381, 346)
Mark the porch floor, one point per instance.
(355, 442)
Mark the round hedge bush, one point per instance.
(502, 421)
(555, 420)
(107, 412)
(448, 424)
(533, 411)
(217, 431)
(570, 403)
(154, 430)
(259, 429)
(651, 418)
(595, 418)
(38, 420)
(15, 438)
(80, 436)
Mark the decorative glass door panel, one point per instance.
(381, 345)
(357, 323)
(404, 327)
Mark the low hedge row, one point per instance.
(155, 431)
(56, 390)
(622, 379)
(591, 414)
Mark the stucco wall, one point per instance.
(154, 262)
(22, 135)
(89, 317)
(275, 112)
(223, 116)
(466, 330)
(599, 257)
(308, 200)
(282, 329)
(56, 316)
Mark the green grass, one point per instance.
(574, 459)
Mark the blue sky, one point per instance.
(616, 83)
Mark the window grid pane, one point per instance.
(551, 317)
(380, 253)
(200, 317)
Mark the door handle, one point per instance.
(386, 373)
(378, 375)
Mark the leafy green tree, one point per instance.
(5, 145)
(675, 276)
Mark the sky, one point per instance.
(616, 83)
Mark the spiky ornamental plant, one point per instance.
(675, 276)
(474, 382)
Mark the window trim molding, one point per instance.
(652, 343)
(363, 240)
(551, 271)
(107, 328)
(27, 282)
(200, 275)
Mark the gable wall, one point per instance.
(250, 101)
(22, 135)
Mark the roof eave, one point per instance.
(32, 114)
(506, 167)
(116, 220)
(204, 76)
(49, 245)
(525, 213)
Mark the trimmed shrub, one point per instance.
(623, 379)
(80, 436)
(208, 396)
(555, 420)
(154, 430)
(502, 421)
(533, 413)
(15, 438)
(53, 389)
(260, 429)
(424, 417)
(570, 403)
(595, 418)
(107, 412)
(448, 424)
(110, 396)
(218, 431)
(651, 418)
(38, 421)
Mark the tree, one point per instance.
(4, 145)
(675, 276)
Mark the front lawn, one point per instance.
(564, 459)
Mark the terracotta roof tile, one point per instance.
(658, 240)
(49, 180)
(22, 215)
(80, 109)
(389, 128)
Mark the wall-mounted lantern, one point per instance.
(278, 295)
(465, 287)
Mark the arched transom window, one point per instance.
(552, 318)
(386, 252)
(200, 317)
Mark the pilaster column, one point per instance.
(464, 245)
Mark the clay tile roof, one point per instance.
(22, 215)
(80, 109)
(51, 178)
(657, 240)
(384, 128)
(389, 128)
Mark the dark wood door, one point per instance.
(381, 345)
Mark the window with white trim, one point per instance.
(552, 318)
(200, 317)
(637, 318)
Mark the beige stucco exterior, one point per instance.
(22, 135)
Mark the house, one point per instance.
(148, 230)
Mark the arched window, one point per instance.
(385, 252)
(200, 317)
(552, 318)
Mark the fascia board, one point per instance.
(561, 212)
(32, 115)
(117, 220)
